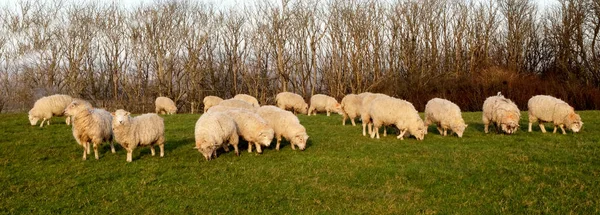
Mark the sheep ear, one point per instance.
(127, 114)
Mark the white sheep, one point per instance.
(81, 102)
(320, 103)
(446, 115)
(213, 131)
(291, 101)
(247, 98)
(46, 107)
(210, 101)
(252, 128)
(165, 105)
(285, 124)
(398, 112)
(236, 103)
(501, 112)
(544, 108)
(143, 130)
(221, 108)
(90, 125)
(350, 108)
(365, 107)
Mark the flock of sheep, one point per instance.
(224, 122)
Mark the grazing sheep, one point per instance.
(165, 105)
(46, 107)
(351, 108)
(320, 102)
(549, 109)
(90, 125)
(285, 124)
(210, 101)
(247, 98)
(367, 101)
(291, 101)
(446, 115)
(398, 112)
(143, 130)
(221, 108)
(214, 130)
(236, 103)
(501, 112)
(252, 128)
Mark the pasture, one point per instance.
(340, 172)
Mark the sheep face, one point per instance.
(300, 140)
(459, 128)
(205, 148)
(303, 109)
(338, 109)
(172, 110)
(265, 137)
(74, 108)
(417, 130)
(510, 127)
(576, 122)
(121, 117)
(33, 120)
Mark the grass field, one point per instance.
(340, 172)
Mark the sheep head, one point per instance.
(121, 117)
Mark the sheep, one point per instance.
(214, 130)
(544, 108)
(46, 107)
(236, 103)
(365, 106)
(221, 108)
(320, 102)
(291, 101)
(165, 105)
(350, 108)
(210, 101)
(81, 102)
(285, 124)
(143, 130)
(501, 112)
(252, 128)
(90, 125)
(247, 98)
(446, 115)
(398, 112)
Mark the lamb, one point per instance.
(236, 103)
(501, 112)
(350, 108)
(247, 98)
(544, 108)
(446, 115)
(367, 101)
(285, 124)
(46, 107)
(90, 125)
(291, 101)
(165, 105)
(320, 102)
(210, 101)
(252, 128)
(143, 130)
(398, 112)
(214, 130)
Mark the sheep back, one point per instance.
(291, 101)
(236, 103)
(247, 98)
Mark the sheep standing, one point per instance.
(236, 103)
(398, 112)
(350, 108)
(165, 105)
(210, 101)
(291, 101)
(367, 101)
(446, 115)
(214, 130)
(46, 107)
(549, 109)
(252, 128)
(143, 130)
(320, 103)
(285, 124)
(247, 98)
(501, 112)
(90, 125)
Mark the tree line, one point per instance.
(465, 51)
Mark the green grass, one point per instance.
(340, 172)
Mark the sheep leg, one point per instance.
(364, 125)
(370, 126)
(96, 150)
(85, 149)
(375, 132)
(42, 124)
(249, 147)
(129, 155)
(353, 123)
(68, 120)
(237, 152)
(440, 130)
(554, 132)
(344, 118)
(445, 132)
(562, 127)
(112, 147)
(88, 148)
(485, 128)
(384, 131)
(162, 150)
(293, 147)
(401, 136)
(542, 127)
(278, 142)
(152, 150)
(328, 113)
(258, 148)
